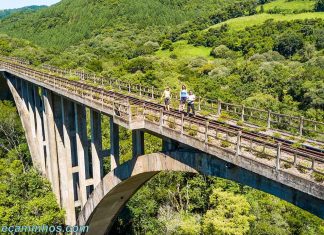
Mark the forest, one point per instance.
(262, 53)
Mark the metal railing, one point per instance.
(232, 141)
(263, 118)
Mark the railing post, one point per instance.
(219, 107)
(161, 117)
(238, 144)
(129, 88)
(102, 100)
(152, 92)
(206, 131)
(140, 90)
(199, 103)
(182, 122)
(242, 114)
(301, 125)
(144, 111)
(129, 113)
(269, 119)
(278, 156)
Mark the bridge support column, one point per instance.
(169, 144)
(50, 141)
(63, 125)
(31, 109)
(39, 129)
(23, 96)
(25, 120)
(96, 147)
(114, 144)
(70, 154)
(82, 150)
(138, 143)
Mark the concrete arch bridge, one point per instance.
(53, 111)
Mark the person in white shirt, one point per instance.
(167, 98)
(191, 99)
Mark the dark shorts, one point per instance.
(167, 101)
(183, 100)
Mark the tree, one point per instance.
(288, 43)
(167, 45)
(319, 5)
(230, 214)
(25, 197)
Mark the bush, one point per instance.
(167, 45)
(192, 130)
(225, 144)
(263, 155)
(319, 5)
(171, 123)
(289, 43)
(287, 165)
(223, 52)
(302, 167)
(139, 64)
(318, 177)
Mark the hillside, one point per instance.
(7, 12)
(248, 21)
(220, 49)
(70, 21)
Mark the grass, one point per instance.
(192, 130)
(241, 23)
(182, 50)
(285, 5)
(225, 144)
(318, 177)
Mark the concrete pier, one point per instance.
(96, 146)
(51, 143)
(40, 137)
(82, 149)
(138, 143)
(114, 144)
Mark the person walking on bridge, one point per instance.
(167, 98)
(191, 100)
(183, 98)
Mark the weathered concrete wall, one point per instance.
(118, 186)
(28, 126)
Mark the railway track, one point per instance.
(263, 139)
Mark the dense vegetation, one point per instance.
(7, 12)
(26, 198)
(228, 50)
(70, 21)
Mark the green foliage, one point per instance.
(25, 197)
(319, 5)
(70, 21)
(318, 177)
(223, 52)
(122, 39)
(229, 214)
(288, 43)
(225, 144)
(7, 12)
(192, 130)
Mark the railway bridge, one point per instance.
(54, 112)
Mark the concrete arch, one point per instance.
(118, 186)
